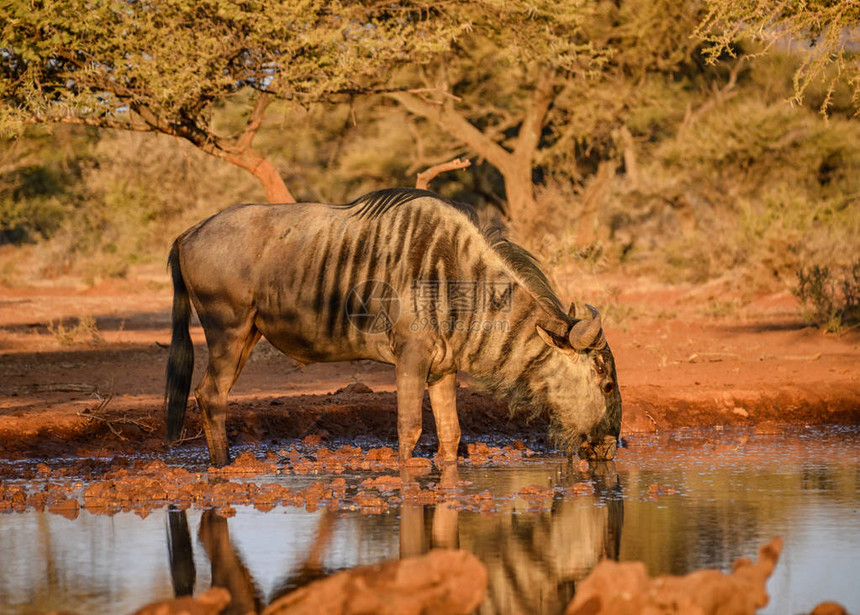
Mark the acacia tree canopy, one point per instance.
(166, 66)
(521, 81)
(516, 82)
(829, 30)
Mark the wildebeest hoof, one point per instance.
(601, 451)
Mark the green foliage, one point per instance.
(128, 196)
(104, 60)
(168, 66)
(745, 189)
(831, 295)
(713, 175)
(38, 176)
(826, 32)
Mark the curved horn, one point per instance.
(585, 332)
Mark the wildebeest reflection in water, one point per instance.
(534, 558)
(228, 569)
(183, 574)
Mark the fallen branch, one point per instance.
(712, 357)
(92, 415)
(183, 438)
(790, 357)
(56, 388)
(424, 177)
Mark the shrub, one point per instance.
(831, 295)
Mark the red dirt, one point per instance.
(686, 356)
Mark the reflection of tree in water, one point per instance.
(818, 479)
(534, 559)
(228, 567)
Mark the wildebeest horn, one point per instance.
(585, 333)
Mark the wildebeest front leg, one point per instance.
(443, 399)
(411, 370)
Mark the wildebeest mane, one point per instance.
(526, 266)
(374, 204)
(520, 260)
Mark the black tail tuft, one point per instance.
(180, 358)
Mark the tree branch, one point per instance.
(720, 95)
(254, 122)
(423, 180)
(531, 128)
(458, 126)
(97, 122)
(239, 153)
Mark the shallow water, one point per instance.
(678, 502)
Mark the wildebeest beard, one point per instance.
(529, 397)
(533, 403)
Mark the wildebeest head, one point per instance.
(582, 394)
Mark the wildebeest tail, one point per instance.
(180, 358)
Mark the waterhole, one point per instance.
(678, 502)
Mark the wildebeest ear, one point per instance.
(551, 339)
(571, 311)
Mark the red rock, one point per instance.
(441, 582)
(211, 602)
(581, 488)
(383, 483)
(615, 588)
(655, 490)
(67, 508)
(246, 465)
(312, 440)
(535, 492)
(829, 608)
(419, 464)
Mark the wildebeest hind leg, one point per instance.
(229, 349)
(443, 400)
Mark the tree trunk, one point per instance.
(519, 188)
(631, 167)
(518, 174)
(265, 172)
(515, 169)
(515, 166)
(589, 227)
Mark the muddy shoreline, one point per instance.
(81, 373)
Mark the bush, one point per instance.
(831, 295)
(104, 202)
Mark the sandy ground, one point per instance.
(82, 368)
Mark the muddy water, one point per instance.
(678, 502)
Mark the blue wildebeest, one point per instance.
(401, 276)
